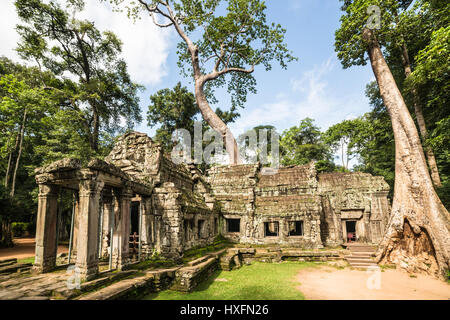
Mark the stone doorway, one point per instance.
(350, 231)
(134, 225)
(134, 230)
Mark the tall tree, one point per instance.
(432, 80)
(252, 151)
(374, 140)
(408, 34)
(342, 138)
(174, 109)
(417, 235)
(67, 46)
(302, 144)
(229, 45)
(24, 103)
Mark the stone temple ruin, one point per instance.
(138, 189)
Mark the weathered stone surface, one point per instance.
(179, 207)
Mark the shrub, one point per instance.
(19, 229)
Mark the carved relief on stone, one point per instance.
(47, 189)
(352, 200)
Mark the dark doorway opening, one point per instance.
(351, 230)
(134, 218)
(233, 225)
(271, 229)
(200, 230)
(296, 228)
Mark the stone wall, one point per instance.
(180, 215)
(181, 208)
(358, 197)
(307, 209)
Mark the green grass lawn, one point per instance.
(259, 281)
(26, 260)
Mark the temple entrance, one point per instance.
(134, 218)
(350, 227)
(134, 230)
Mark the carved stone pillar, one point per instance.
(88, 228)
(121, 235)
(108, 211)
(76, 218)
(45, 259)
(147, 229)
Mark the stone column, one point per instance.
(108, 211)
(45, 259)
(88, 228)
(76, 218)
(146, 232)
(121, 235)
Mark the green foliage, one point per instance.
(419, 29)
(371, 139)
(172, 109)
(20, 229)
(231, 39)
(255, 153)
(302, 144)
(432, 78)
(349, 44)
(67, 46)
(344, 136)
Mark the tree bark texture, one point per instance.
(421, 121)
(417, 237)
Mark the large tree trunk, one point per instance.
(95, 130)
(217, 124)
(8, 170)
(22, 133)
(6, 240)
(421, 121)
(417, 236)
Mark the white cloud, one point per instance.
(145, 46)
(310, 96)
(8, 36)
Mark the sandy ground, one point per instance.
(24, 248)
(327, 283)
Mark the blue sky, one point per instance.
(316, 86)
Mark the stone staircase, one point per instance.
(361, 255)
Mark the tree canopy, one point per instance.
(221, 44)
(103, 94)
(304, 143)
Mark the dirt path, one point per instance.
(327, 283)
(24, 248)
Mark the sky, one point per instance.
(315, 86)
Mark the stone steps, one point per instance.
(361, 255)
(17, 267)
(119, 289)
(7, 262)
